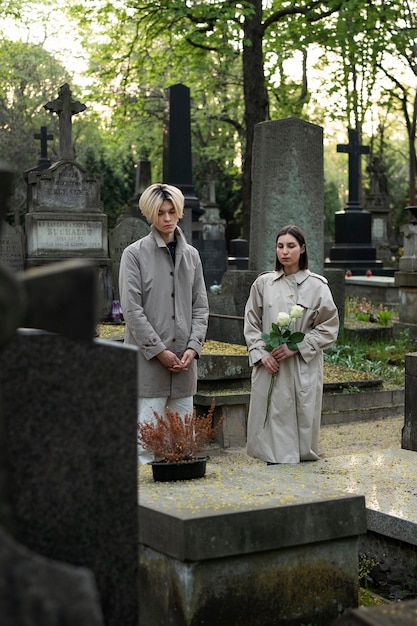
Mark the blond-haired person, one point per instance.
(165, 307)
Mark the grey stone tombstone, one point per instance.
(287, 188)
(377, 203)
(127, 231)
(34, 590)
(409, 431)
(65, 217)
(406, 281)
(177, 156)
(12, 246)
(70, 419)
(212, 246)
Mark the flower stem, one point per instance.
(268, 399)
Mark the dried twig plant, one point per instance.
(175, 439)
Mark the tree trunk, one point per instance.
(256, 100)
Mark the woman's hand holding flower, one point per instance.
(282, 352)
(271, 364)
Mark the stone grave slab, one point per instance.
(69, 410)
(239, 547)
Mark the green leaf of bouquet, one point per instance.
(286, 333)
(265, 337)
(292, 345)
(275, 327)
(296, 337)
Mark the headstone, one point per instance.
(409, 431)
(377, 203)
(127, 231)
(142, 180)
(69, 409)
(212, 247)
(406, 281)
(12, 246)
(353, 248)
(177, 156)
(287, 188)
(34, 590)
(65, 218)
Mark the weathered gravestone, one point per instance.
(130, 226)
(406, 281)
(409, 431)
(12, 246)
(212, 246)
(127, 231)
(287, 188)
(65, 218)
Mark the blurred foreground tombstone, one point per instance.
(35, 590)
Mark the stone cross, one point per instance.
(65, 107)
(354, 149)
(44, 138)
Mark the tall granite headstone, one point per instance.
(287, 188)
(65, 216)
(177, 156)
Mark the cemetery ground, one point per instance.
(354, 359)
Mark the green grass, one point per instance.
(384, 358)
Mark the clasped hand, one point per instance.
(174, 363)
(272, 360)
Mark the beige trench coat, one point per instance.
(291, 433)
(165, 306)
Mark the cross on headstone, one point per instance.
(354, 149)
(44, 138)
(65, 107)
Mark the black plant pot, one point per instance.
(184, 470)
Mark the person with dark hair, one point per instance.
(287, 379)
(165, 306)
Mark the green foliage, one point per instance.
(117, 183)
(384, 358)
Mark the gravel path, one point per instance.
(360, 437)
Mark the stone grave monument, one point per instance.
(177, 156)
(12, 246)
(353, 249)
(35, 590)
(377, 203)
(130, 226)
(288, 188)
(65, 217)
(212, 246)
(406, 278)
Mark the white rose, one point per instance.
(296, 311)
(283, 319)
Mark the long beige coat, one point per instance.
(165, 306)
(291, 433)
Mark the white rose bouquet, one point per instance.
(281, 333)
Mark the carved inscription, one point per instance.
(53, 234)
(66, 189)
